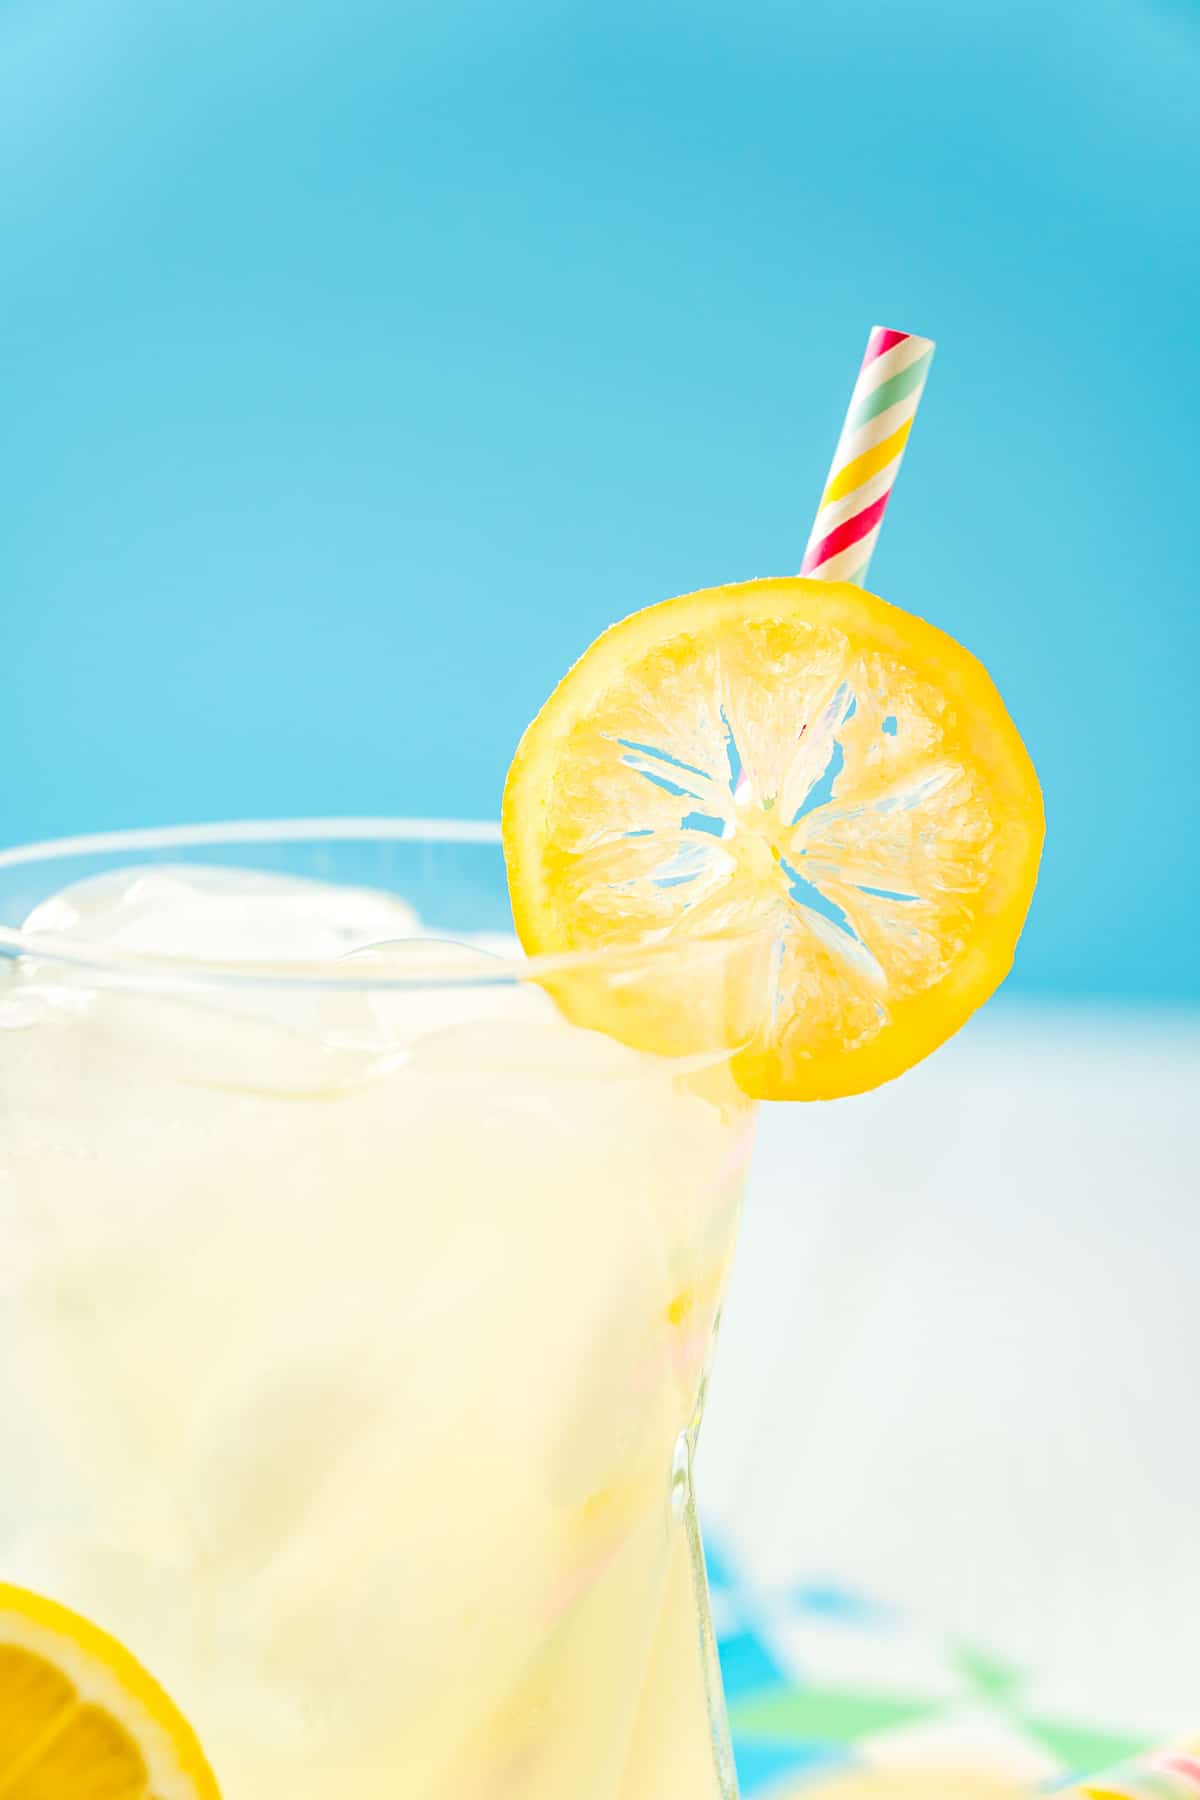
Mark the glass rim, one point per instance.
(146, 968)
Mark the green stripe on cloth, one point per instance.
(816, 1716)
(988, 1676)
(1081, 1749)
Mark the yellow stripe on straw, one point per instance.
(861, 469)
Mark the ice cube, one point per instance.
(266, 1039)
(236, 915)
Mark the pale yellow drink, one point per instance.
(353, 1331)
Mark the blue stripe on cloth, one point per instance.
(720, 1573)
(760, 1767)
(748, 1666)
(836, 1603)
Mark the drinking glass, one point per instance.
(356, 1306)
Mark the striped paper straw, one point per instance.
(1166, 1775)
(882, 408)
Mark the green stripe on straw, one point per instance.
(889, 393)
(857, 578)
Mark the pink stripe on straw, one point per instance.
(881, 341)
(1183, 1765)
(850, 531)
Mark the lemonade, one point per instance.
(354, 1319)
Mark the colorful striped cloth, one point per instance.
(833, 1696)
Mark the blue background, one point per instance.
(360, 360)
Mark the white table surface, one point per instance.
(960, 1365)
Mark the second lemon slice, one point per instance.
(81, 1720)
(798, 760)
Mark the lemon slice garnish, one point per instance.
(802, 762)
